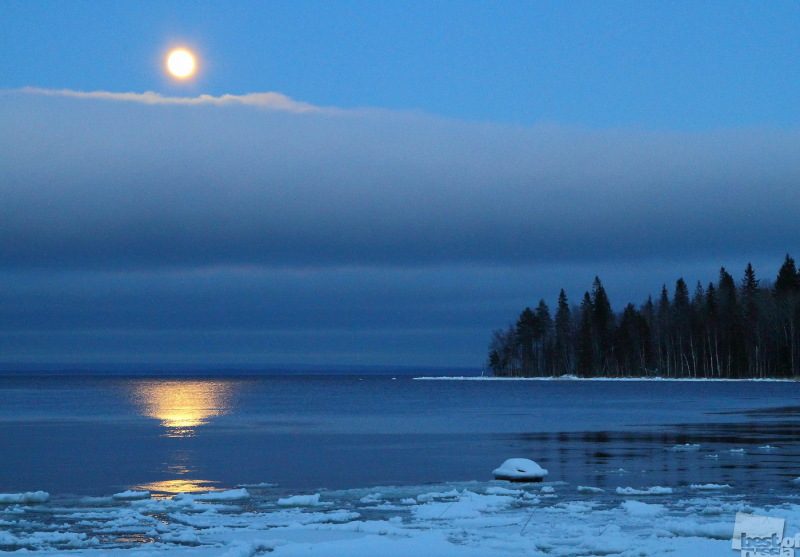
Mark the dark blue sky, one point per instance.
(363, 183)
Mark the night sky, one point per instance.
(377, 183)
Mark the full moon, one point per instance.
(180, 63)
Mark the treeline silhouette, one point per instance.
(723, 330)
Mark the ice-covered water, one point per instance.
(351, 462)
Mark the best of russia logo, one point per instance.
(762, 536)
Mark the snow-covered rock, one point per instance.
(520, 470)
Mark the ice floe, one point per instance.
(656, 490)
(301, 501)
(637, 508)
(451, 519)
(709, 487)
(687, 447)
(27, 497)
(230, 495)
(131, 495)
(589, 489)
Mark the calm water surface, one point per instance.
(101, 435)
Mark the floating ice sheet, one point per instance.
(453, 519)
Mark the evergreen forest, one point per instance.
(749, 329)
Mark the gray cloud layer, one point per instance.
(88, 181)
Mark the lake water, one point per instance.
(83, 435)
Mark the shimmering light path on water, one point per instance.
(100, 435)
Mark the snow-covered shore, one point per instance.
(576, 378)
(455, 519)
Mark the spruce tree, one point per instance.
(584, 343)
(734, 359)
(564, 352)
(527, 325)
(748, 294)
(787, 301)
(680, 330)
(544, 339)
(788, 280)
(603, 326)
(662, 336)
(711, 314)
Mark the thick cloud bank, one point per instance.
(257, 229)
(90, 181)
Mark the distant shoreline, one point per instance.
(11, 369)
(575, 378)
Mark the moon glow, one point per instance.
(180, 63)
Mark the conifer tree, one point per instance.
(663, 340)
(527, 325)
(544, 340)
(564, 351)
(631, 351)
(711, 314)
(788, 280)
(584, 344)
(680, 330)
(787, 299)
(603, 326)
(751, 330)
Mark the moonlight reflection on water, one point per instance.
(182, 406)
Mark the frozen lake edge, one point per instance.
(616, 379)
(463, 518)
